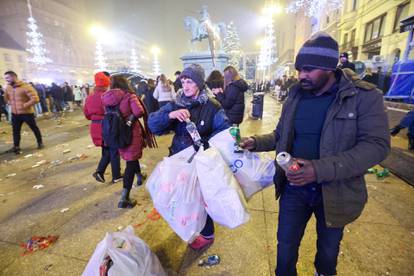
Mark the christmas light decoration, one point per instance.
(134, 61)
(100, 60)
(314, 8)
(231, 45)
(268, 47)
(155, 62)
(35, 41)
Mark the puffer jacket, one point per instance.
(354, 137)
(21, 97)
(94, 111)
(128, 105)
(232, 100)
(209, 118)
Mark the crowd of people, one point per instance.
(332, 123)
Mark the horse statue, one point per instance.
(205, 29)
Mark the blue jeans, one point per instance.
(110, 155)
(296, 206)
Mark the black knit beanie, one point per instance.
(320, 51)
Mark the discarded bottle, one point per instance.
(286, 162)
(372, 170)
(211, 260)
(382, 174)
(235, 133)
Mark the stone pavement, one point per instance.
(380, 242)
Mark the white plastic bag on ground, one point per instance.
(176, 194)
(224, 199)
(254, 172)
(133, 258)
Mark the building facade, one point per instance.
(369, 30)
(12, 56)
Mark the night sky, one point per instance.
(161, 22)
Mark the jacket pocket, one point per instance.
(345, 130)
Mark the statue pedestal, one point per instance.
(204, 59)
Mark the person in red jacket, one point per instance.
(121, 94)
(94, 111)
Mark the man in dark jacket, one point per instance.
(345, 63)
(57, 96)
(68, 96)
(336, 127)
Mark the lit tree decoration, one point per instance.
(155, 62)
(231, 45)
(35, 41)
(100, 60)
(268, 49)
(314, 8)
(134, 61)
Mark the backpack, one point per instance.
(115, 132)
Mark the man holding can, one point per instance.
(335, 126)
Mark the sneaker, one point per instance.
(40, 146)
(99, 177)
(127, 204)
(201, 243)
(15, 150)
(118, 179)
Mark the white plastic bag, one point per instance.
(133, 258)
(224, 199)
(254, 172)
(176, 194)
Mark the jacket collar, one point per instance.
(346, 84)
(17, 84)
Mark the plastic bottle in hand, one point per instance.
(286, 162)
(235, 133)
(192, 130)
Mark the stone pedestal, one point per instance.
(204, 59)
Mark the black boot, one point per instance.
(410, 142)
(140, 179)
(125, 201)
(15, 150)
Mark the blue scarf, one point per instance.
(187, 102)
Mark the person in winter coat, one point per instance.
(68, 96)
(131, 107)
(406, 122)
(192, 103)
(215, 80)
(164, 92)
(58, 97)
(336, 127)
(77, 95)
(3, 109)
(21, 97)
(177, 82)
(94, 111)
(150, 102)
(232, 99)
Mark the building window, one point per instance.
(7, 57)
(374, 29)
(353, 35)
(354, 4)
(345, 38)
(402, 12)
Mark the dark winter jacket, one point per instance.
(232, 100)
(354, 137)
(56, 92)
(208, 116)
(348, 65)
(177, 85)
(67, 93)
(150, 102)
